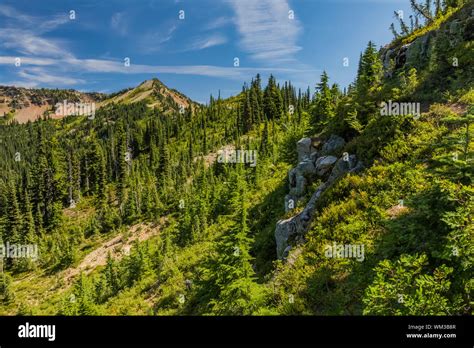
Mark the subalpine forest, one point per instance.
(133, 214)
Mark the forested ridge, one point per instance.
(204, 231)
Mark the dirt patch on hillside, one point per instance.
(118, 247)
(397, 210)
(210, 158)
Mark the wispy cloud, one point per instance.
(267, 31)
(23, 33)
(218, 22)
(119, 23)
(10, 60)
(28, 43)
(35, 23)
(206, 42)
(154, 40)
(114, 66)
(49, 61)
(38, 75)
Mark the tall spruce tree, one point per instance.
(231, 276)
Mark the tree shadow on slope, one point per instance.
(338, 286)
(263, 219)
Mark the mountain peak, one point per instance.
(156, 94)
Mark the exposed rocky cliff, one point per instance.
(418, 51)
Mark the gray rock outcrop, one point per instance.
(312, 164)
(294, 228)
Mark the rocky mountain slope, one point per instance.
(156, 94)
(28, 104)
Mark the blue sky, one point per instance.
(194, 54)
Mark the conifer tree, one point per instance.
(272, 100)
(231, 281)
(324, 104)
(14, 220)
(123, 159)
(370, 72)
(112, 275)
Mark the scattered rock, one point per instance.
(323, 164)
(188, 283)
(303, 147)
(333, 146)
(297, 182)
(343, 166)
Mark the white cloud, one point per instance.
(27, 43)
(153, 41)
(48, 61)
(23, 33)
(10, 60)
(38, 24)
(53, 23)
(118, 23)
(206, 42)
(74, 65)
(267, 32)
(218, 22)
(10, 12)
(38, 75)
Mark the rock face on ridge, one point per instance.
(420, 50)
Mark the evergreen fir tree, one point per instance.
(231, 276)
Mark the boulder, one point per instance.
(386, 58)
(284, 230)
(342, 166)
(300, 176)
(310, 166)
(333, 146)
(297, 182)
(358, 167)
(303, 148)
(306, 168)
(323, 164)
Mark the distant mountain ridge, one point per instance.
(29, 104)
